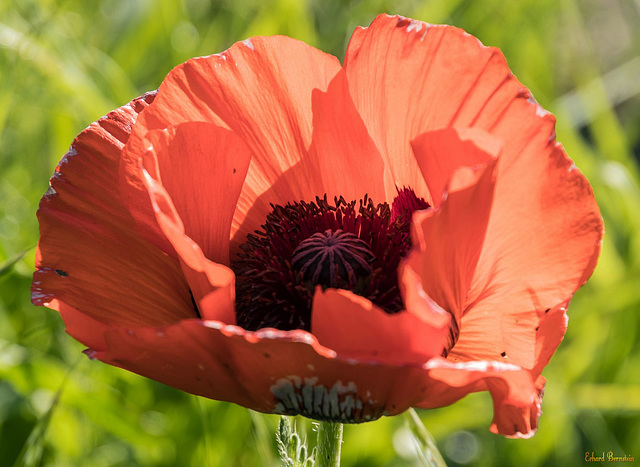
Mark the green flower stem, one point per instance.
(329, 444)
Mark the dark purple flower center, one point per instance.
(303, 245)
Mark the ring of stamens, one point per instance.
(307, 244)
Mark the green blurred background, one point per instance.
(63, 64)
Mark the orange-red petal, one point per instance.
(342, 155)
(202, 167)
(440, 153)
(545, 229)
(261, 89)
(285, 372)
(407, 77)
(289, 372)
(357, 329)
(212, 284)
(448, 239)
(516, 393)
(89, 258)
(81, 326)
(342, 160)
(540, 247)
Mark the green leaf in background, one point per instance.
(426, 447)
(33, 448)
(31, 453)
(7, 265)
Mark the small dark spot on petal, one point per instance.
(267, 355)
(537, 328)
(61, 273)
(198, 378)
(234, 170)
(503, 354)
(547, 310)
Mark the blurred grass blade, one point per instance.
(262, 435)
(31, 453)
(7, 265)
(426, 445)
(206, 429)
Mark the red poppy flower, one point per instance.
(277, 230)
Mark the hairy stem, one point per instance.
(329, 444)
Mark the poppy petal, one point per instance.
(414, 297)
(289, 372)
(342, 153)
(439, 153)
(429, 73)
(545, 230)
(80, 326)
(342, 160)
(84, 259)
(550, 249)
(550, 332)
(516, 393)
(202, 167)
(527, 337)
(355, 328)
(286, 372)
(212, 284)
(269, 370)
(448, 239)
(261, 89)
(207, 358)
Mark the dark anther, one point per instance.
(503, 354)
(331, 257)
(406, 203)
